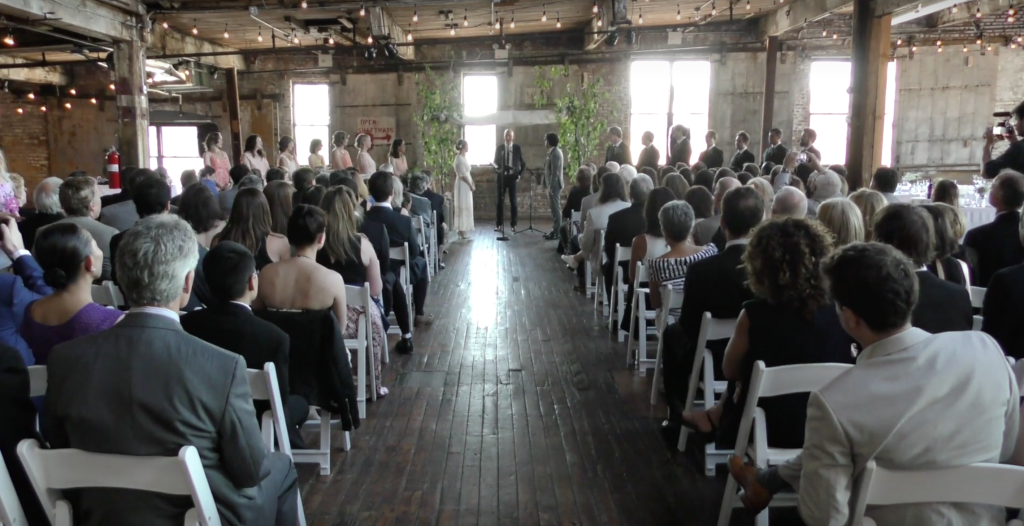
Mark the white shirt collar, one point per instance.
(242, 304)
(740, 241)
(616, 142)
(159, 311)
(384, 204)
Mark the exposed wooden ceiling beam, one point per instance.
(86, 17)
(170, 42)
(798, 14)
(45, 75)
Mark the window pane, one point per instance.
(481, 141)
(692, 82)
(479, 95)
(649, 86)
(654, 123)
(829, 82)
(180, 141)
(303, 136)
(153, 163)
(890, 106)
(175, 166)
(312, 105)
(831, 142)
(152, 140)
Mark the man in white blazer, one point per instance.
(913, 401)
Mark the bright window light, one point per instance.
(890, 110)
(176, 149)
(311, 113)
(480, 98)
(830, 106)
(651, 86)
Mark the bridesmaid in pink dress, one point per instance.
(217, 158)
(8, 198)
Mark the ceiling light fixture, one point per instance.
(714, 10)
(73, 92)
(938, 42)
(544, 15)
(600, 21)
(679, 13)
(497, 24)
(415, 14)
(226, 34)
(408, 36)
(20, 111)
(369, 39)
(899, 41)
(31, 96)
(558, 19)
(641, 17)
(67, 105)
(954, 8)
(452, 32)
(295, 38)
(362, 9)
(465, 19)
(513, 23)
(978, 13)
(330, 40)
(940, 49)
(195, 30)
(9, 39)
(42, 109)
(113, 87)
(835, 36)
(824, 32)
(595, 8)
(304, 4)
(93, 100)
(165, 25)
(748, 5)
(965, 48)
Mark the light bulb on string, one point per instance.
(714, 10)
(513, 23)
(899, 41)
(113, 87)
(558, 19)
(330, 40)
(165, 25)
(641, 17)
(93, 100)
(295, 39)
(824, 32)
(595, 8)
(226, 34)
(20, 111)
(835, 36)
(748, 5)
(304, 4)
(67, 105)
(965, 48)
(362, 9)
(369, 39)
(415, 14)
(679, 13)
(195, 29)
(259, 36)
(978, 13)
(940, 49)
(465, 19)
(452, 32)
(954, 8)
(497, 24)
(72, 92)
(31, 96)
(408, 36)
(989, 47)
(42, 109)
(544, 15)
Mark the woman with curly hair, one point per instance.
(790, 322)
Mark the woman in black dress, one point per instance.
(790, 322)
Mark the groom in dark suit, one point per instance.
(508, 158)
(617, 150)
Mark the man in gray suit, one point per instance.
(913, 401)
(122, 216)
(146, 387)
(80, 199)
(553, 167)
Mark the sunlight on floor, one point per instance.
(484, 281)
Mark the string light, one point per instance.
(595, 8)
(93, 100)
(835, 36)
(42, 109)
(940, 49)
(558, 19)
(965, 48)
(748, 5)
(978, 13)
(641, 17)
(954, 8)
(679, 13)
(9, 39)
(544, 15)
(415, 14)
(165, 24)
(20, 111)
(67, 105)
(195, 30)
(295, 38)
(408, 36)
(304, 4)
(714, 10)
(369, 39)
(978, 41)
(452, 32)
(362, 10)
(899, 41)
(513, 24)
(824, 32)
(31, 96)
(989, 47)
(259, 37)
(1013, 45)
(599, 22)
(226, 34)
(330, 40)
(465, 19)
(113, 87)
(497, 23)
(73, 92)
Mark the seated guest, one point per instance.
(302, 180)
(18, 290)
(228, 323)
(705, 178)
(249, 226)
(843, 220)
(612, 199)
(669, 269)
(722, 173)
(275, 174)
(627, 173)
(199, 208)
(176, 389)
(71, 261)
(663, 173)
(764, 189)
(352, 256)
(250, 181)
(280, 200)
(789, 202)
(80, 200)
(208, 177)
(944, 263)
(121, 216)
(419, 206)
(677, 184)
(1001, 313)
(997, 244)
(18, 414)
(941, 305)
(46, 199)
(717, 285)
(436, 204)
(950, 401)
(400, 231)
(651, 243)
(885, 181)
(623, 226)
(226, 198)
(336, 177)
(822, 186)
(751, 169)
(701, 201)
(706, 228)
(323, 179)
(869, 202)
(188, 178)
(946, 191)
(313, 196)
(573, 203)
(591, 200)
(790, 322)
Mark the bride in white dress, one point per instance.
(463, 194)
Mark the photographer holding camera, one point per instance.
(1013, 157)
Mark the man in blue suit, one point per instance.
(19, 289)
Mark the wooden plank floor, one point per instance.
(515, 409)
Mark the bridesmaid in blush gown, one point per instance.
(463, 195)
(216, 158)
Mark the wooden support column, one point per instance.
(233, 112)
(768, 106)
(132, 103)
(867, 93)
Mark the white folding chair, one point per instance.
(37, 380)
(619, 290)
(107, 294)
(645, 318)
(362, 344)
(976, 324)
(982, 483)
(264, 386)
(767, 382)
(402, 254)
(977, 297)
(711, 329)
(574, 225)
(435, 256)
(11, 512)
(53, 470)
(599, 299)
(671, 299)
(421, 236)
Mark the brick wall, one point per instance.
(23, 138)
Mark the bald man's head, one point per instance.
(721, 187)
(789, 202)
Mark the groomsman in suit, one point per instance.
(776, 151)
(650, 157)
(618, 150)
(713, 157)
(508, 158)
(553, 167)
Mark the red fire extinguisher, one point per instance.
(114, 168)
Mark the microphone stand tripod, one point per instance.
(501, 197)
(530, 228)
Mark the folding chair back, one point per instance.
(37, 380)
(977, 297)
(599, 298)
(976, 323)
(982, 483)
(575, 223)
(619, 290)
(11, 512)
(362, 344)
(402, 254)
(107, 294)
(711, 329)
(60, 469)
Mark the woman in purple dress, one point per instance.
(70, 260)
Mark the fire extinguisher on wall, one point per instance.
(114, 168)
